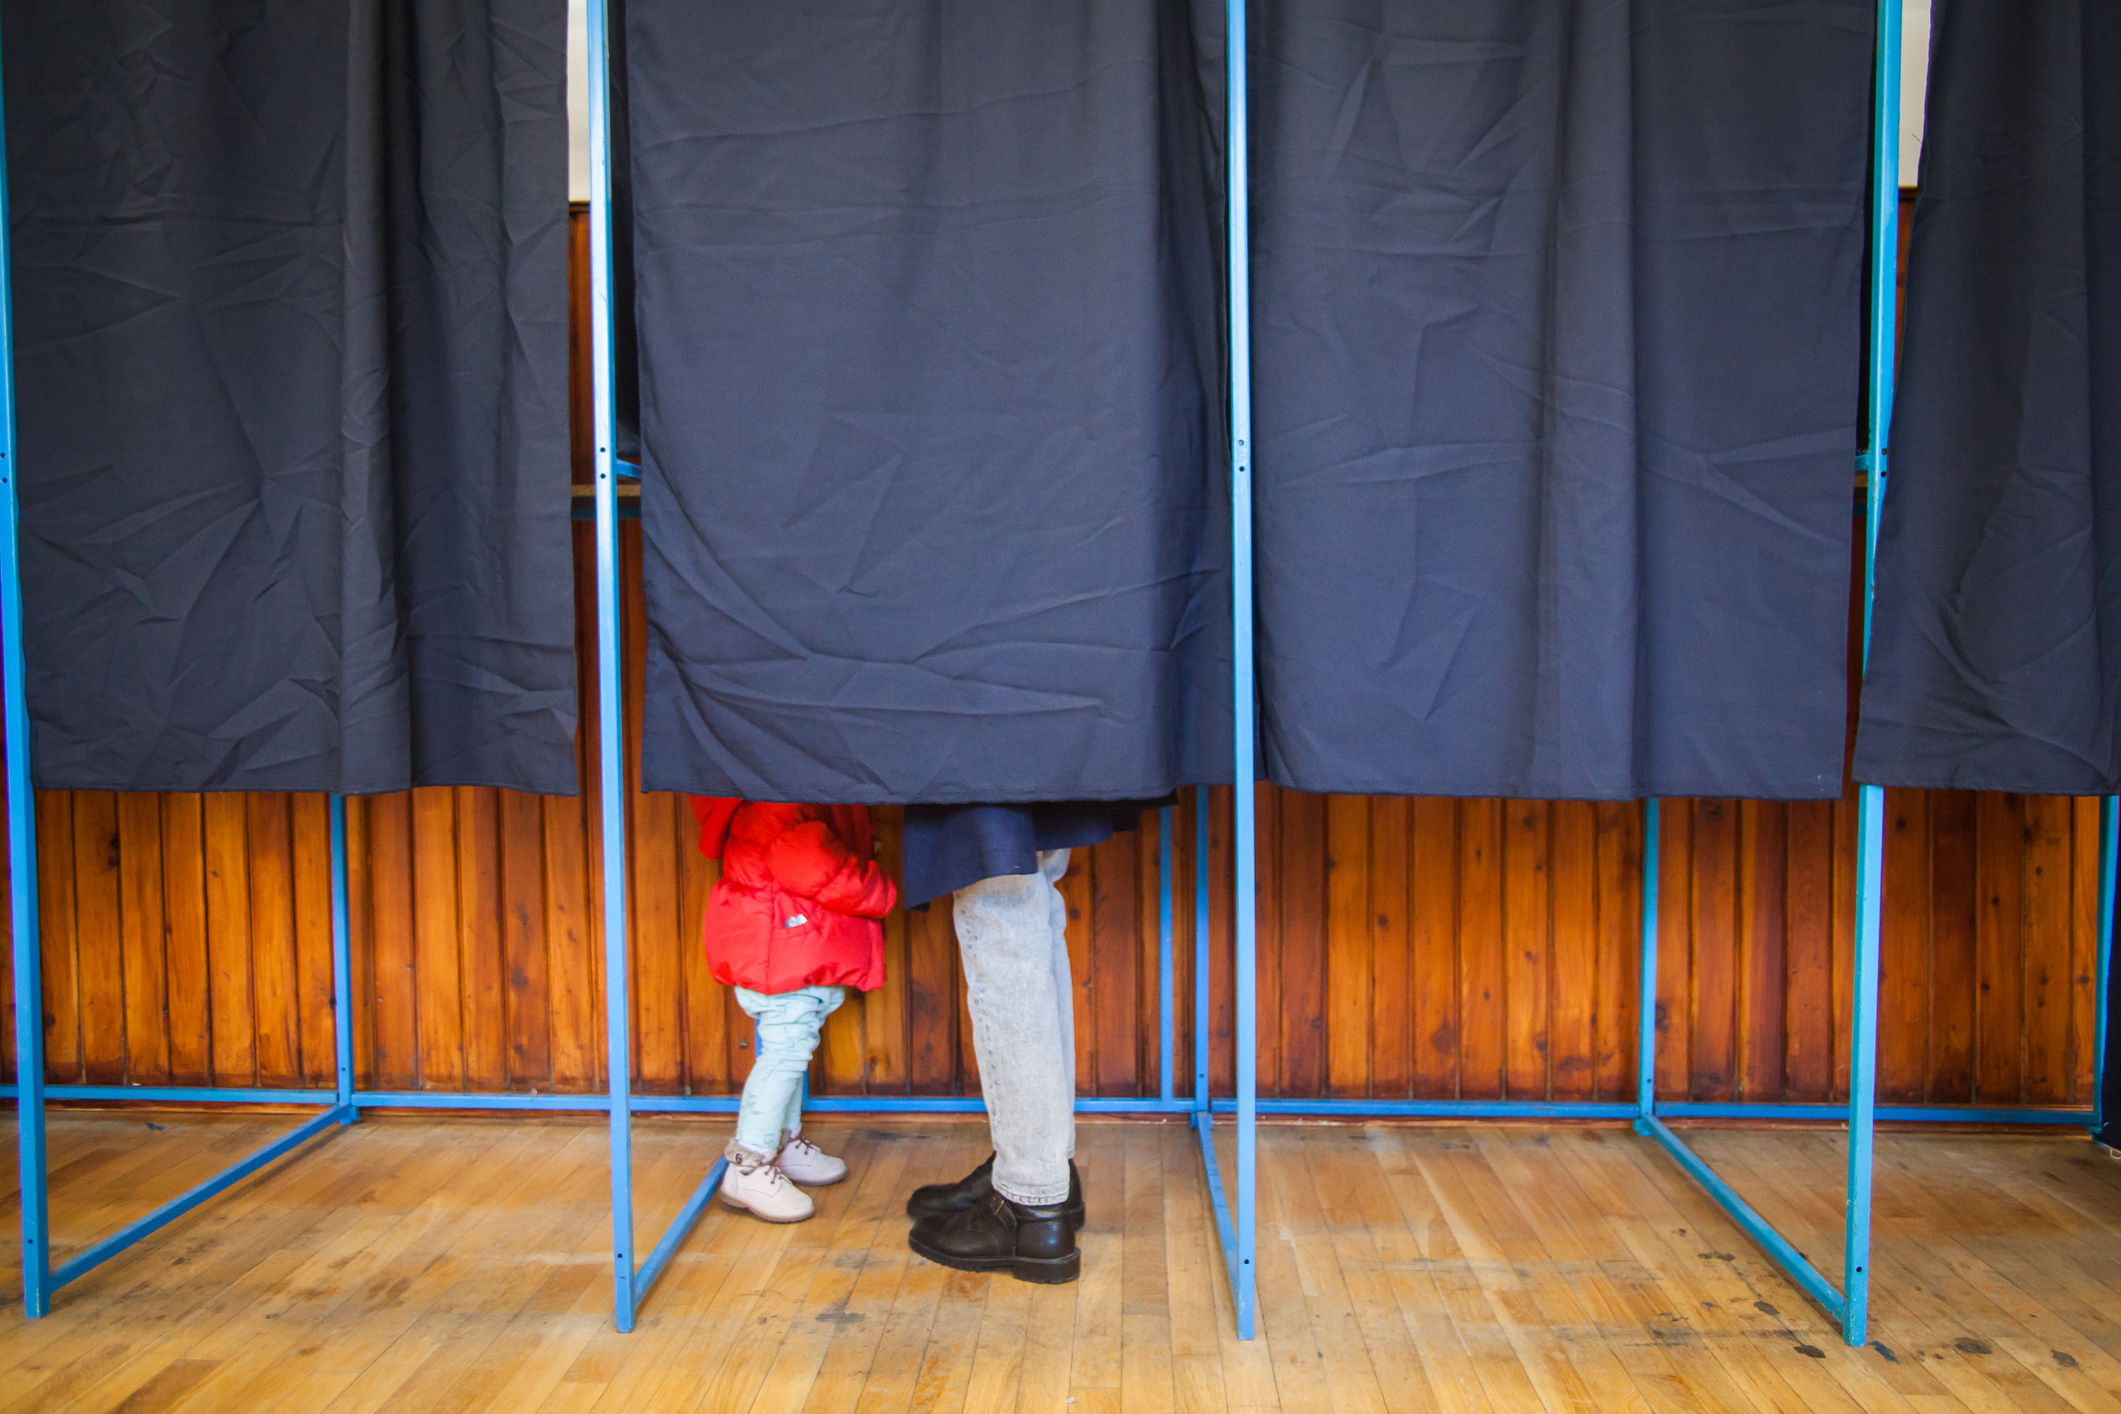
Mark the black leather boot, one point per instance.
(942, 1199)
(996, 1235)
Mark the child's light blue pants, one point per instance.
(788, 1027)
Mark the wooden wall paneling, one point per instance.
(2047, 949)
(1114, 927)
(1300, 918)
(191, 1021)
(272, 939)
(482, 965)
(657, 992)
(1949, 1072)
(436, 953)
(1267, 848)
(1808, 953)
(1763, 934)
(1572, 1009)
(706, 1035)
(931, 1000)
(2084, 949)
(309, 818)
(1483, 998)
(1903, 949)
(1618, 850)
(1186, 847)
(397, 979)
(225, 826)
(1527, 945)
(1222, 890)
(1844, 954)
(1675, 955)
(58, 941)
(1999, 1021)
(577, 1026)
(1350, 946)
(527, 1005)
(144, 960)
(1714, 920)
(1432, 922)
(361, 925)
(1148, 910)
(1391, 1052)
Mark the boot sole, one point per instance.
(818, 1183)
(1045, 1271)
(735, 1207)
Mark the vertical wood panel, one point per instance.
(1763, 826)
(2047, 949)
(1391, 942)
(191, 1022)
(1572, 1036)
(1350, 940)
(483, 963)
(1999, 1024)
(272, 940)
(1114, 937)
(63, 1001)
(1618, 849)
(1715, 953)
(1527, 958)
(1675, 956)
(390, 889)
(1808, 1027)
(225, 819)
(1903, 948)
(1482, 989)
(1949, 1075)
(1432, 915)
(310, 815)
(146, 963)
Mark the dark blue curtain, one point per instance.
(291, 368)
(1559, 320)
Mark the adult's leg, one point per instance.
(1052, 866)
(1016, 993)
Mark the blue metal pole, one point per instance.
(341, 964)
(21, 828)
(1870, 800)
(2109, 843)
(1202, 1020)
(1166, 993)
(1237, 138)
(1646, 996)
(610, 766)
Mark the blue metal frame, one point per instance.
(343, 1102)
(2109, 845)
(1851, 1304)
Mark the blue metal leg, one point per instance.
(2109, 844)
(1240, 316)
(1863, 1065)
(341, 966)
(21, 828)
(1646, 995)
(611, 766)
(1166, 986)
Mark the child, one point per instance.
(793, 923)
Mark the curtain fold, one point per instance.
(935, 499)
(1996, 650)
(291, 370)
(1558, 318)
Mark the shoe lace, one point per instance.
(801, 1147)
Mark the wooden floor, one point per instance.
(464, 1264)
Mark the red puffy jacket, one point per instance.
(800, 899)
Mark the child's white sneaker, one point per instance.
(807, 1164)
(757, 1186)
